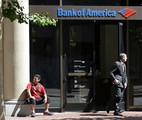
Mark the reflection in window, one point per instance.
(95, 2)
(135, 2)
(83, 2)
(44, 2)
(135, 51)
(44, 60)
(80, 48)
(135, 64)
(80, 38)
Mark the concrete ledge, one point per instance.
(16, 108)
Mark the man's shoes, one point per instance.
(121, 111)
(32, 114)
(107, 109)
(117, 114)
(47, 113)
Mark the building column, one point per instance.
(16, 63)
(2, 117)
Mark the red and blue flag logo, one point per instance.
(127, 12)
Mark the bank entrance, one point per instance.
(89, 49)
(74, 60)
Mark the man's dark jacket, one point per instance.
(118, 73)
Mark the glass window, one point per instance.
(95, 2)
(135, 2)
(44, 2)
(44, 59)
(89, 58)
(85, 2)
(135, 64)
(79, 41)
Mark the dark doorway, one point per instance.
(78, 47)
(90, 48)
(44, 60)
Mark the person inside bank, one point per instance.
(36, 94)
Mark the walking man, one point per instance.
(120, 81)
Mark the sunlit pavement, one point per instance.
(101, 115)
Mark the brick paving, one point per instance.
(101, 115)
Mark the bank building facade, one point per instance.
(75, 56)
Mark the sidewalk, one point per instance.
(101, 115)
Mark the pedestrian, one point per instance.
(119, 79)
(36, 94)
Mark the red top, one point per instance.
(36, 90)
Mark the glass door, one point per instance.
(109, 44)
(91, 49)
(44, 60)
(107, 49)
(135, 65)
(78, 46)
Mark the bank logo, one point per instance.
(127, 12)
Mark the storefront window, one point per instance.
(95, 2)
(79, 46)
(89, 58)
(135, 64)
(81, 2)
(135, 2)
(88, 2)
(44, 60)
(44, 2)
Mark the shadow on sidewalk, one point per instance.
(83, 116)
(21, 109)
(101, 118)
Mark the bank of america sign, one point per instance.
(127, 12)
(87, 12)
(90, 12)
